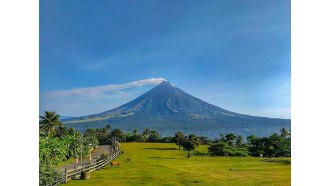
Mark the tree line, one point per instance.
(276, 145)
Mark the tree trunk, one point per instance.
(188, 155)
(179, 146)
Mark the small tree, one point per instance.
(179, 139)
(189, 146)
(190, 143)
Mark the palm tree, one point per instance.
(48, 122)
(145, 134)
(284, 132)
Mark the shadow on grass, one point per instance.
(285, 162)
(197, 153)
(161, 148)
(156, 157)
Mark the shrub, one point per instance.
(48, 176)
(223, 149)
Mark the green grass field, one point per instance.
(164, 164)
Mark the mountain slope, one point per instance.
(167, 106)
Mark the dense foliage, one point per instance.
(146, 136)
(224, 149)
(48, 175)
(103, 135)
(53, 150)
(272, 146)
(57, 144)
(228, 145)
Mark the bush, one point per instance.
(48, 176)
(272, 146)
(223, 149)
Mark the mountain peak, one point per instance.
(166, 83)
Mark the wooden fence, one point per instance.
(90, 166)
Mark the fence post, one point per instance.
(75, 172)
(66, 175)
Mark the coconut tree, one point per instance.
(48, 122)
(146, 134)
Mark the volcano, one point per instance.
(167, 108)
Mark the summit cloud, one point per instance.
(99, 90)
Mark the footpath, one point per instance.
(101, 149)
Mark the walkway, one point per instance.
(95, 155)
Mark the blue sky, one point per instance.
(96, 55)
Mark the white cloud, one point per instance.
(100, 90)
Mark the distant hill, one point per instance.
(168, 108)
(65, 117)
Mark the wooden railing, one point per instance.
(87, 166)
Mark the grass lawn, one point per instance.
(164, 164)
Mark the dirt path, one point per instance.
(95, 155)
